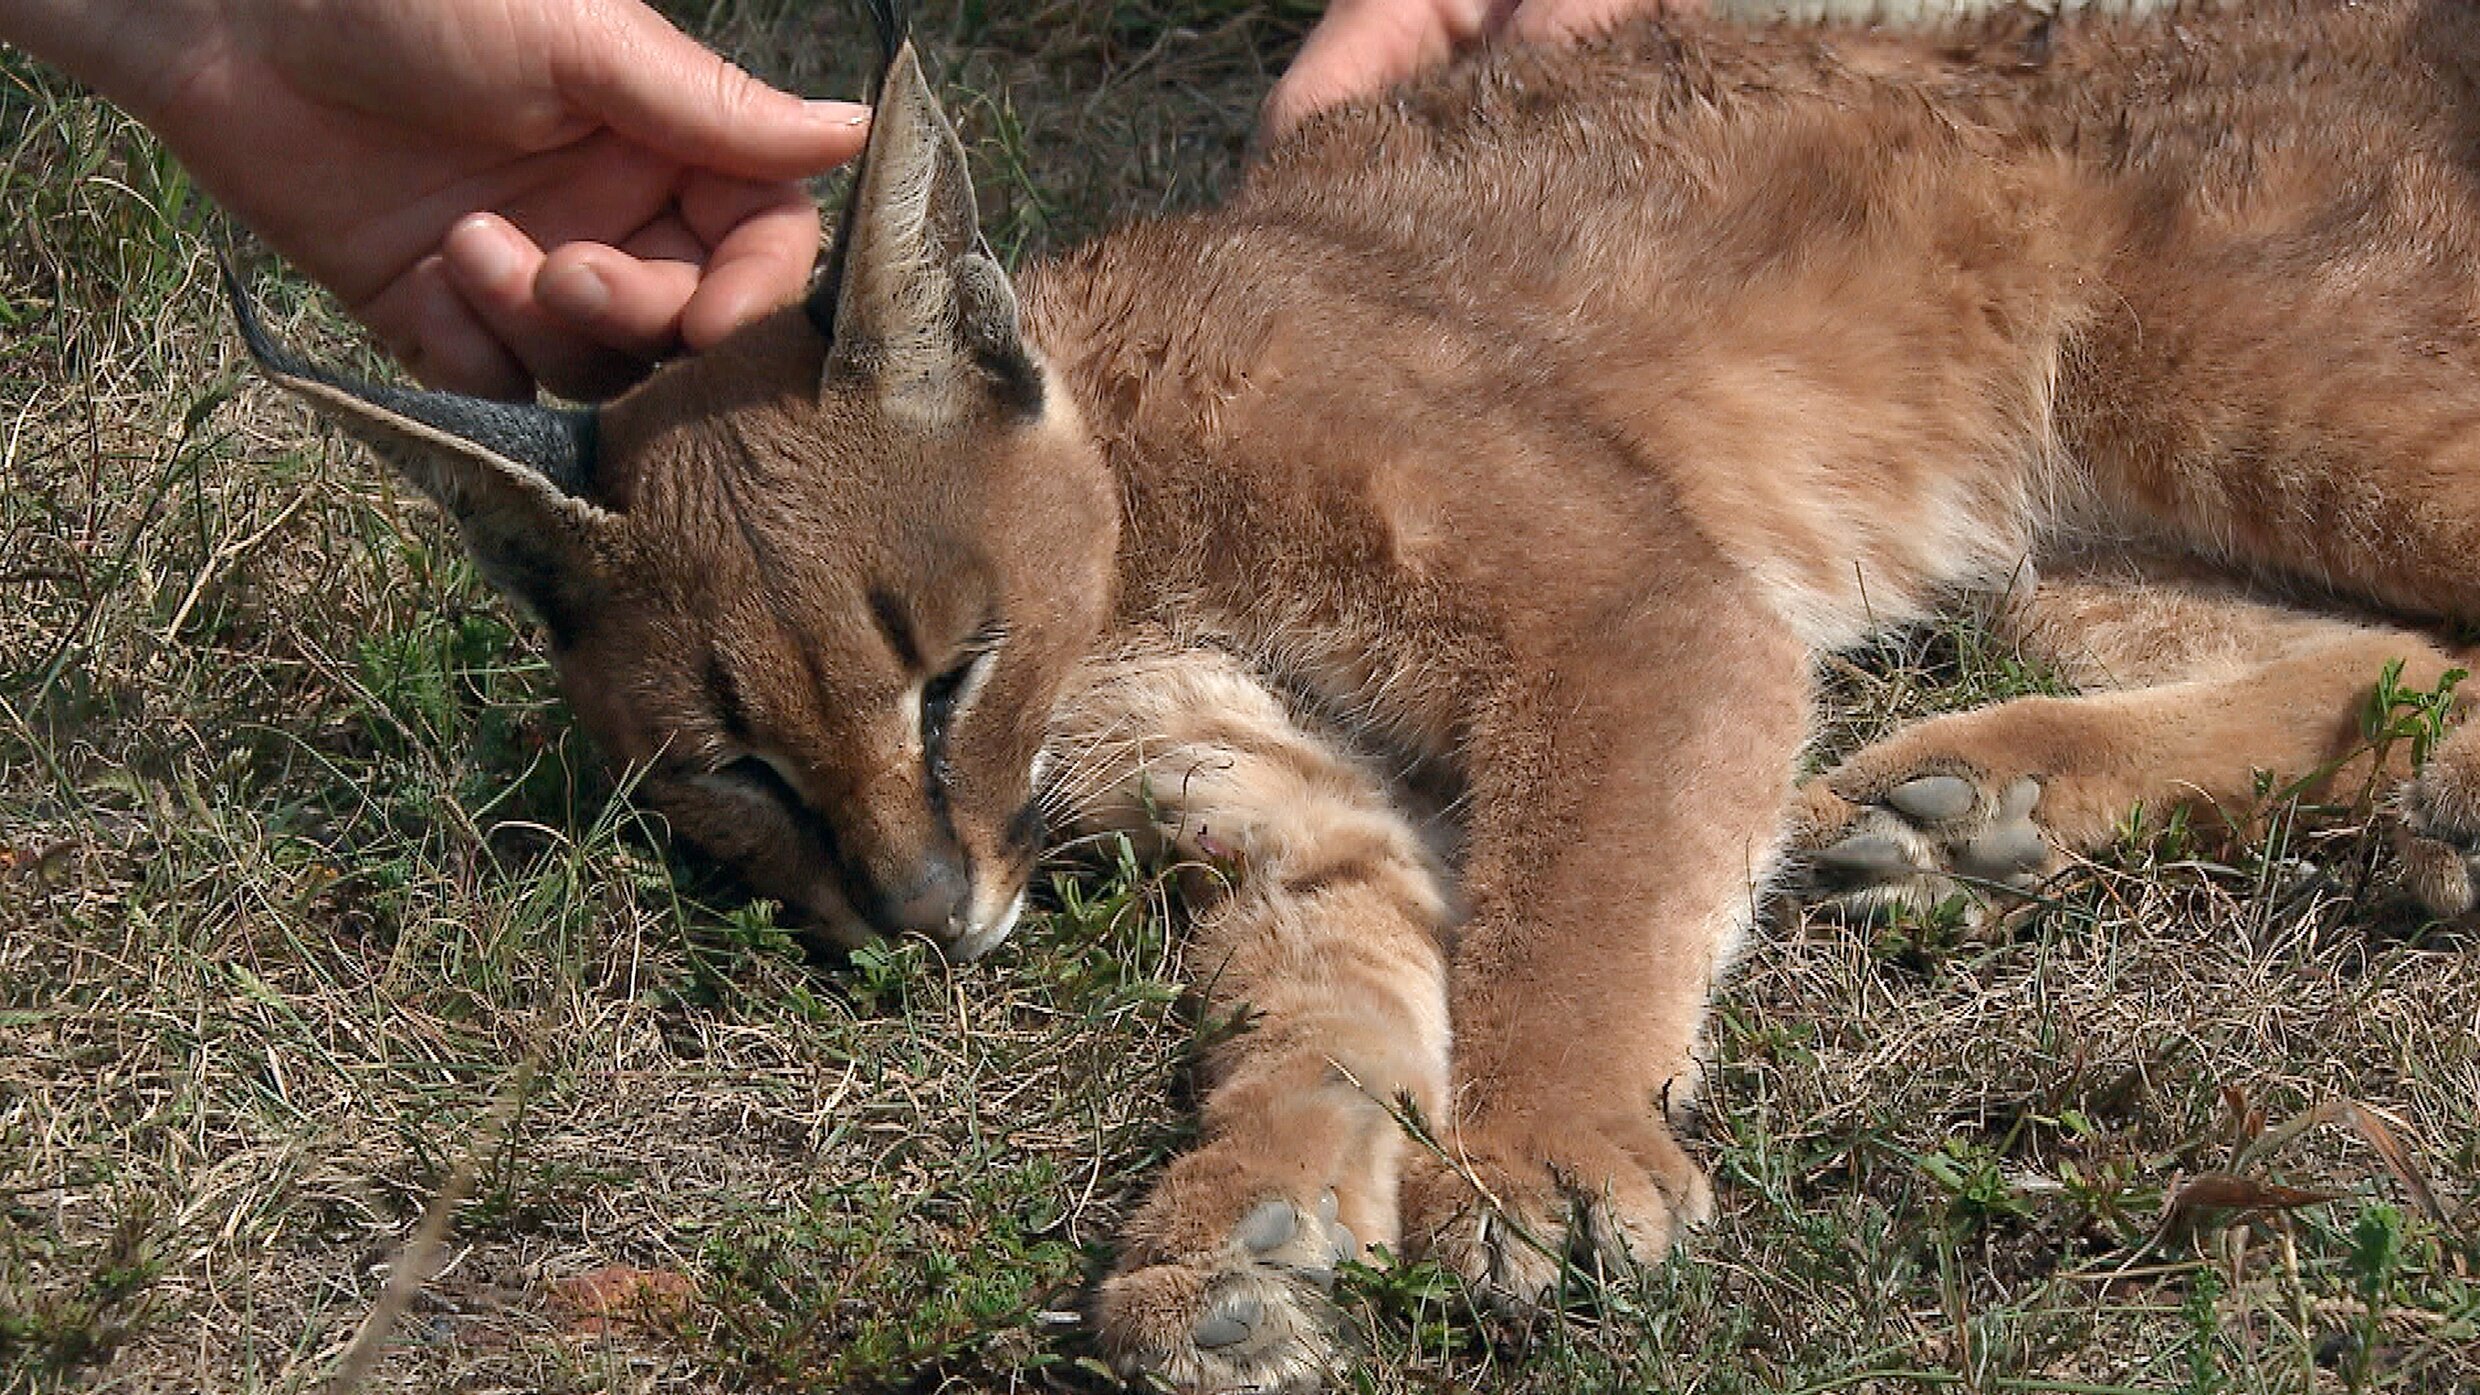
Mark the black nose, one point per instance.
(931, 901)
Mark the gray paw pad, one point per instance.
(1931, 837)
(1277, 1232)
(2009, 850)
(2016, 804)
(1934, 798)
(1867, 855)
(1229, 1326)
(1267, 1226)
(1277, 1236)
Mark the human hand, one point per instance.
(508, 192)
(1366, 46)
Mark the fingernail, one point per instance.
(577, 290)
(486, 251)
(840, 113)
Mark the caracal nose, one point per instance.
(930, 901)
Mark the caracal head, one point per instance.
(822, 585)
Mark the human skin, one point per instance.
(517, 194)
(510, 193)
(1362, 47)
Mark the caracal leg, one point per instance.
(2198, 698)
(1317, 909)
(1624, 810)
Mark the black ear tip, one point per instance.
(245, 317)
(893, 19)
(559, 445)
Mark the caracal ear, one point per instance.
(514, 476)
(914, 302)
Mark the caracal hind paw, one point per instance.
(2437, 833)
(1912, 844)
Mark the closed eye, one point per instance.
(940, 698)
(761, 777)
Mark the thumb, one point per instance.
(630, 69)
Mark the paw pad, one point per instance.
(1231, 1326)
(1252, 1318)
(1923, 840)
(1276, 1232)
(1934, 798)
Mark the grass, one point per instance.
(313, 906)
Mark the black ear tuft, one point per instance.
(892, 22)
(894, 26)
(558, 445)
(893, 19)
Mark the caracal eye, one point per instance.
(758, 775)
(943, 696)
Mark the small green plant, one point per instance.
(884, 972)
(2105, 1191)
(2375, 1264)
(1919, 940)
(2146, 836)
(2396, 712)
(1423, 1301)
(1977, 1192)
(51, 1330)
(2201, 1312)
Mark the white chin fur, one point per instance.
(976, 943)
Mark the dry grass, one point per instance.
(312, 902)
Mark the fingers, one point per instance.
(625, 299)
(1363, 47)
(493, 269)
(1550, 21)
(765, 239)
(657, 86)
(735, 251)
(427, 327)
(493, 314)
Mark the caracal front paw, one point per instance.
(1915, 840)
(1508, 1207)
(1224, 1286)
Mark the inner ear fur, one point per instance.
(920, 306)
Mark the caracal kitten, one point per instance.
(1429, 549)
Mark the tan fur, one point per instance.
(2200, 699)
(1316, 902)
(1429, 548)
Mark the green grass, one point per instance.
(315, 902)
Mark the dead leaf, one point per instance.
(2369, 1123)
(601, 1300)
(2210, 1192)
